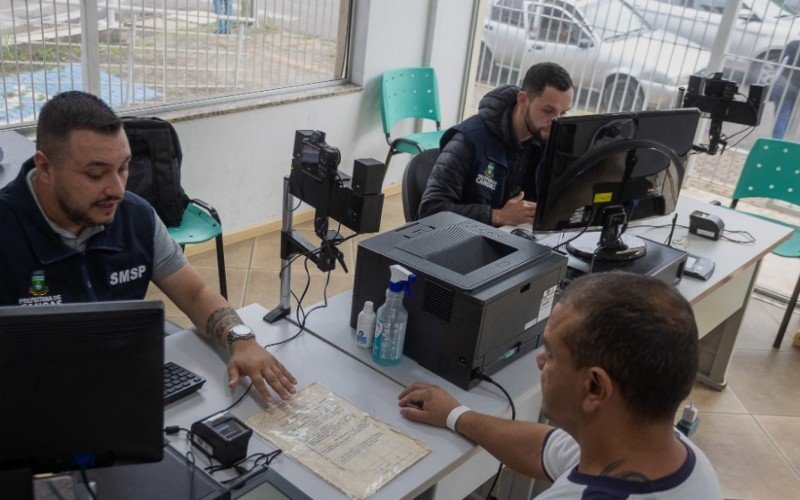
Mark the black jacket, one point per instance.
(481, 167)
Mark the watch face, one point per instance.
(240, 330)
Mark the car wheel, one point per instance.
(621, 94)
(488, 71)
(763, 69)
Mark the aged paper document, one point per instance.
(351, 450)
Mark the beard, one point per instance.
(534, 131)
(80, 215)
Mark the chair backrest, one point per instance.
(415, 178)
(772, 170)
(409, 93)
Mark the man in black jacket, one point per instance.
(487, 168)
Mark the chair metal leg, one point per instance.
(389, 157)
(223, 281)
(787, 316)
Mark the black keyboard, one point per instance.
(179, 382)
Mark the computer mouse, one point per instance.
(523, 233)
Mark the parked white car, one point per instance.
(760, 33)
(605, 45)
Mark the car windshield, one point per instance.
(613, 19)
(767, 9)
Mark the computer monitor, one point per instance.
(606, 170)
(83, 385)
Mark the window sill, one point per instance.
(225, 105)
(236, 104)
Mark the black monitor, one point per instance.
(606, 170)
(82, 384)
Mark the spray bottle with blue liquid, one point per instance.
(390, 327)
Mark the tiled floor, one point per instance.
(750, 430)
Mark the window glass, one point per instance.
(164, 53)
(614, 18)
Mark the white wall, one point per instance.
(236, 161)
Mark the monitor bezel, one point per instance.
(121, 396)
(545, 179)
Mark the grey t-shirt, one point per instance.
(167, 254)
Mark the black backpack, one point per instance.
(155, 168)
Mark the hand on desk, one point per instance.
(250, 359)
(516, 211)
(426, 403)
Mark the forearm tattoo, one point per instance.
(219, 321)
(627, 475)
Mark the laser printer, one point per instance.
(481, 299)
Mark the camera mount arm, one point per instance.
(293, 243)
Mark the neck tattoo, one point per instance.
(628, 475)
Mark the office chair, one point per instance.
(772, 170)
(415, 178)
(410, 93)
(155, 176)
(201, 223)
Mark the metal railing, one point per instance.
(139, 53)
(636, 61)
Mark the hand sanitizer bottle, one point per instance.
(390, 328)
(365, 326)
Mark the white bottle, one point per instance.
(365, 326)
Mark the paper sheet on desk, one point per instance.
(348, 448)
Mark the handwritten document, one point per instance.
(351, 450)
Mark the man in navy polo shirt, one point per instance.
(69, 232)
(489, 162)
(620, 355)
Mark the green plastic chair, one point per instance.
(410, 93)
(201, 223)
(772, 170)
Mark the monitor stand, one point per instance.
(623, 248)
(613, 245)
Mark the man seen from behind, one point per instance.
(620, 355)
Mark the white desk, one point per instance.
(520, 379)
(720, 302)
(309, 359)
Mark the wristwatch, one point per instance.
(239, 332)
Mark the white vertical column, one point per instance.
(90, 47)
(730, 14)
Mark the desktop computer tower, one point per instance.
(481, 299)
(661, 262)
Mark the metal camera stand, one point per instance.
(293, 244)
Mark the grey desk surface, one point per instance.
(521, 378)
(309, 359)
(728, 257)
(16, 150)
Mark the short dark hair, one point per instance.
(543, 74)
(69, 111)
(642, 332)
